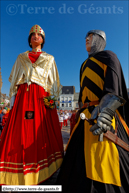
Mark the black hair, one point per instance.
(29, 38)
(27, 116)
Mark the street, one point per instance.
(66, 134)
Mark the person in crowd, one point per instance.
(58, 112)
(72, 120)
(34, 147)
(1, 110)
(65, 119)
(4, 111)
(69, 114)
(97, 155)
(61, 119)
(5, 117)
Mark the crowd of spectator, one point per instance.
(4, 112)
(66, 117)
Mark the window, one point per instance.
(66, 98)
(62, 104)
(66, 104)
(77, 105)
(70, 98)
(62, 99)
(70, 105)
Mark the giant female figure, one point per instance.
(31, 150)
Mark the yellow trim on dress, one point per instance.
(9, 178)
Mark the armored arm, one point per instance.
(104, 113)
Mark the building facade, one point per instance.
(3, 97)
(0, 86)
(68, 99)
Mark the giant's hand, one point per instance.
(104, 113)
(103, 122)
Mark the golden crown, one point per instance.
(37, 29)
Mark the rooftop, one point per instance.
(68, 89)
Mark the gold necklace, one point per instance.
(36, 50)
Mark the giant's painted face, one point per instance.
(89, 39)
(36, 39)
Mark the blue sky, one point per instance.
(65, 24)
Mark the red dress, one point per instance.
(31, 150)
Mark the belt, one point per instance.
(114, 138)
(89, 104)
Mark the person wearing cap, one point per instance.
(97, 154)
(31, 147)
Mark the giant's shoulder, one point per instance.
(46, 55)
(107, 54)
(109, 58)
(43, 54)
(43, 57)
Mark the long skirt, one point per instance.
(73, 172)
(31, 150)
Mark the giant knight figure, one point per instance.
(97, 155)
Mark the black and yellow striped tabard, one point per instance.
(90, 165)
(101, 158)
(92, 80)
